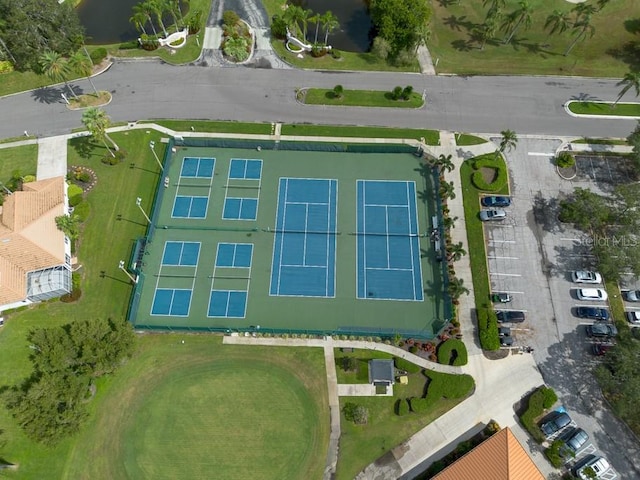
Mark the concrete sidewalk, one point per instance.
(52, 157)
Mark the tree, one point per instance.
(486, 31)
(509, 141)
(398, 21)
(159, 7)
(147, 9)
(380, 48)
(329, 24)
(456, 288)
(557, 22)
(444, 162)
(81, 62)
(355, 413)
(521, 17)
(581, 30)
(495, 7)
(56, 67)
(338, 91)
(97, 122)
(304, 19)
(455, 252)
(630, 80)
(349, 364)
(447, 190)
(316, 20)
(138, 19)
(293, 15)
(69, 225)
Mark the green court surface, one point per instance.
(174, 288)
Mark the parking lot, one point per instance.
(531, 256)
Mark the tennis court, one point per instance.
(293, 241)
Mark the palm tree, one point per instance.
(55, 67)
(455, 252)
(520, 17)
(147, 10)
(494, 6)
(329, 23)
(173, 8)
(447, 190)
(456, 288)
(138, 19)
(582, 29)
(81, 62)
(292, 16)
(509, 140)
(486, 31)
(601, 4)
(315, 19)
(630, 80)
(158, 8)
(558, 22)
(97, 122)
(443, 162)
(304, 18)
(583, 9)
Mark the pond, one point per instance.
(107, 21)
(355, 31)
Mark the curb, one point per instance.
(601, 117)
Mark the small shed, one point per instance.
(381, 372)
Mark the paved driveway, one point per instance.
(546, 251)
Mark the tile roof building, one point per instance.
(35, 257)
(500, 457)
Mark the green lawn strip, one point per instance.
(213, 126)
(22, 159)
(617, 305)
(532, 51)
(605, 108)
(241, 408)
(361, 445)
(360, 98)
(465, 140)
(601, 141)
(432, 137)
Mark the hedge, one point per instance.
(98, 55)
(448, 386)
(501, 174)
(73, 190)
(82, 211)
(75, 200)
(402, 407)
(452, 352)
(535, 408)
(488, 329)
(402, 364)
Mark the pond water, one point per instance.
(107, 21)
(355, 31)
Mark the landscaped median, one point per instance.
(579, 108)
(397, 98)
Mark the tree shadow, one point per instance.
(462, 45)
(583, 97)
(83, 147)
(628, 53)
(47, 95)
(459, 23)
(632, 25)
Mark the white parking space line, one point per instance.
(505, 274)
(492, 257)
(540, 154)
(509, 291)
(501, 241)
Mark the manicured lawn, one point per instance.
(361, 373)
(465, 139)
(213, 126)
(185, 410)
(605, 108)
(533, 51)
(600, 141)
(22, 159)
(432, 137)
(359, 98)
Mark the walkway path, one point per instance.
(52, 157)
(425, 61)
(334, 412)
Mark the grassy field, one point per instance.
(213, 126)
(432, 137)
(533, 51)
(22, 159)
(359, 98)
(605, 108)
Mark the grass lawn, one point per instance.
(184, 410)
(361, 373)
(213, 126)
(22, 159)
(601, 141)
(90, 100)
(605, 108)
(533, 51)
(465, 139)
(359, 98)
(432, 137)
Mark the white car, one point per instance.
(493, 215)
(599, 465)
(592, 294)
(586, 276)
(633, 316)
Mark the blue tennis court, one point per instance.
(181, 253)
(197, 167)
(186, 206)
(227, 303)
(388, 251)
(242, 169)
(171, 301)
(304, 250)
(240, 208)
(235, 255)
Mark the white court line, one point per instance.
(505, 274)
(540, 154)
(505, 258)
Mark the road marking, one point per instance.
(509, 291)
(540, 154)
(502, 241)
(506, 274)
(507, 258)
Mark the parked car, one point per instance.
(494, 201)
(599, 465)
(574, 440)
(493, 215)
(633, 296)
(555, 423)
(599, 349)
(593, 294)
(506, 341)
(586, 276)
(510, 316)
(593, 312)
(602, 330)
(504, 331)
(633, 316)
(500, 297)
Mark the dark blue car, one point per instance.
(593, 312)
(495, 201)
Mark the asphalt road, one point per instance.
(150, 89)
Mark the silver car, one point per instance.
(586, 276)
(633, 316)
(493, 215)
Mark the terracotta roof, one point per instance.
(500, 457)
(29, 238)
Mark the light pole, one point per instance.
(138, 201)
(121, 267)
(152, 146)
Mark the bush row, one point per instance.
(540, 400)
(488, 328)
(452, 352)
(500, 179)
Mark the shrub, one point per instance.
(355, 413)
(278, 27)
(452, 352)
(349, 364)
(396, 92)
(337, 54)
(535, 407)
(549, 397)
(380, 48)
(229, 17)
(318, 50)
(402, 407)
(6, 67)
(98, 55)
(500, 179)
(565, 160)
(132, 45)
(413, 349)
(406, 92)
(404, 58)
(553, 453)
(236, 49)
(338, 91)
(149, 43)
(29, 179)
(448, 386)
(488, 329)
(75, 200)
(406, 365)
(82, 211)
(73, 190)
(194, 22)
(83, 176)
